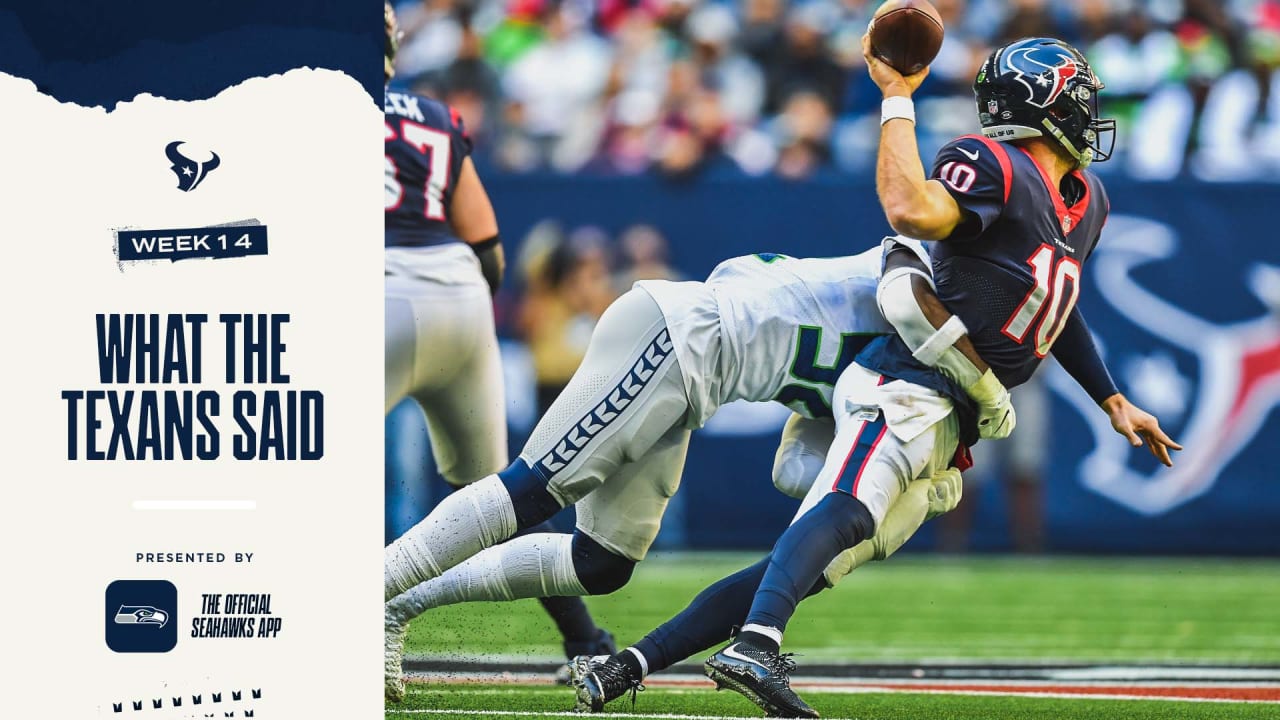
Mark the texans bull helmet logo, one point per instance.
(141, 615)
(1052, 69)
(190, 172)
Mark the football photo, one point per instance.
(887, 360)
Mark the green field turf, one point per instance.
(913, 609)
(940, 608)
(552, 702)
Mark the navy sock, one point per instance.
(838, 522)
(631, 662)
(759, 640)
(529, 496)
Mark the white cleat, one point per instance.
(393, 657)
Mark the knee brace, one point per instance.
(600, 571)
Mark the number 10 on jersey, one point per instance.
(1051, 285)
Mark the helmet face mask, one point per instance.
(1041, 87)
(1098, 130)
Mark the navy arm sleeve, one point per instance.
(1078, 355)
(973, 172)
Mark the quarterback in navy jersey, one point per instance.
(443, 261)
(1014, 213)
(1023, 216)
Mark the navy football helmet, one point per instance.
(1042, 87)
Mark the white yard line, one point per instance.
(679, 680)
(1224, 678)
(864, 686)
(831, 689)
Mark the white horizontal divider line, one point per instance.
(195, 504)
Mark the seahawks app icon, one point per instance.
(139, 616)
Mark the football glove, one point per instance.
(996, 418)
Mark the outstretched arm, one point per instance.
(1078, 355)
(914, 205)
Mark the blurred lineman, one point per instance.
(443, 260)
(1016, 214)
(663, 358)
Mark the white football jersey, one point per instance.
(771, 327)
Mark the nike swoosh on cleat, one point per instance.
(739, 656)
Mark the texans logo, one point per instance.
(1217, 415)
(1043, 71)
(1061, 73)
(141, 615)
(190, 172)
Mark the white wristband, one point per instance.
(930, 351)
(897, 107)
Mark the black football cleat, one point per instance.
(599, 680)
(602, 644)
(760, 675)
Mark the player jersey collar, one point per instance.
(1068, 217)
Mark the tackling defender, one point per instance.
(662, 359)
(1016, 219)
(443, 259)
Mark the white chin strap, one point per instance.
(1082, 158)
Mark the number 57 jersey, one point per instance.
(425, 146)
(1011, 269)
(772, 327)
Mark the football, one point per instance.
(906, 34)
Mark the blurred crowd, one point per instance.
(682, 87)
(565, 279)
